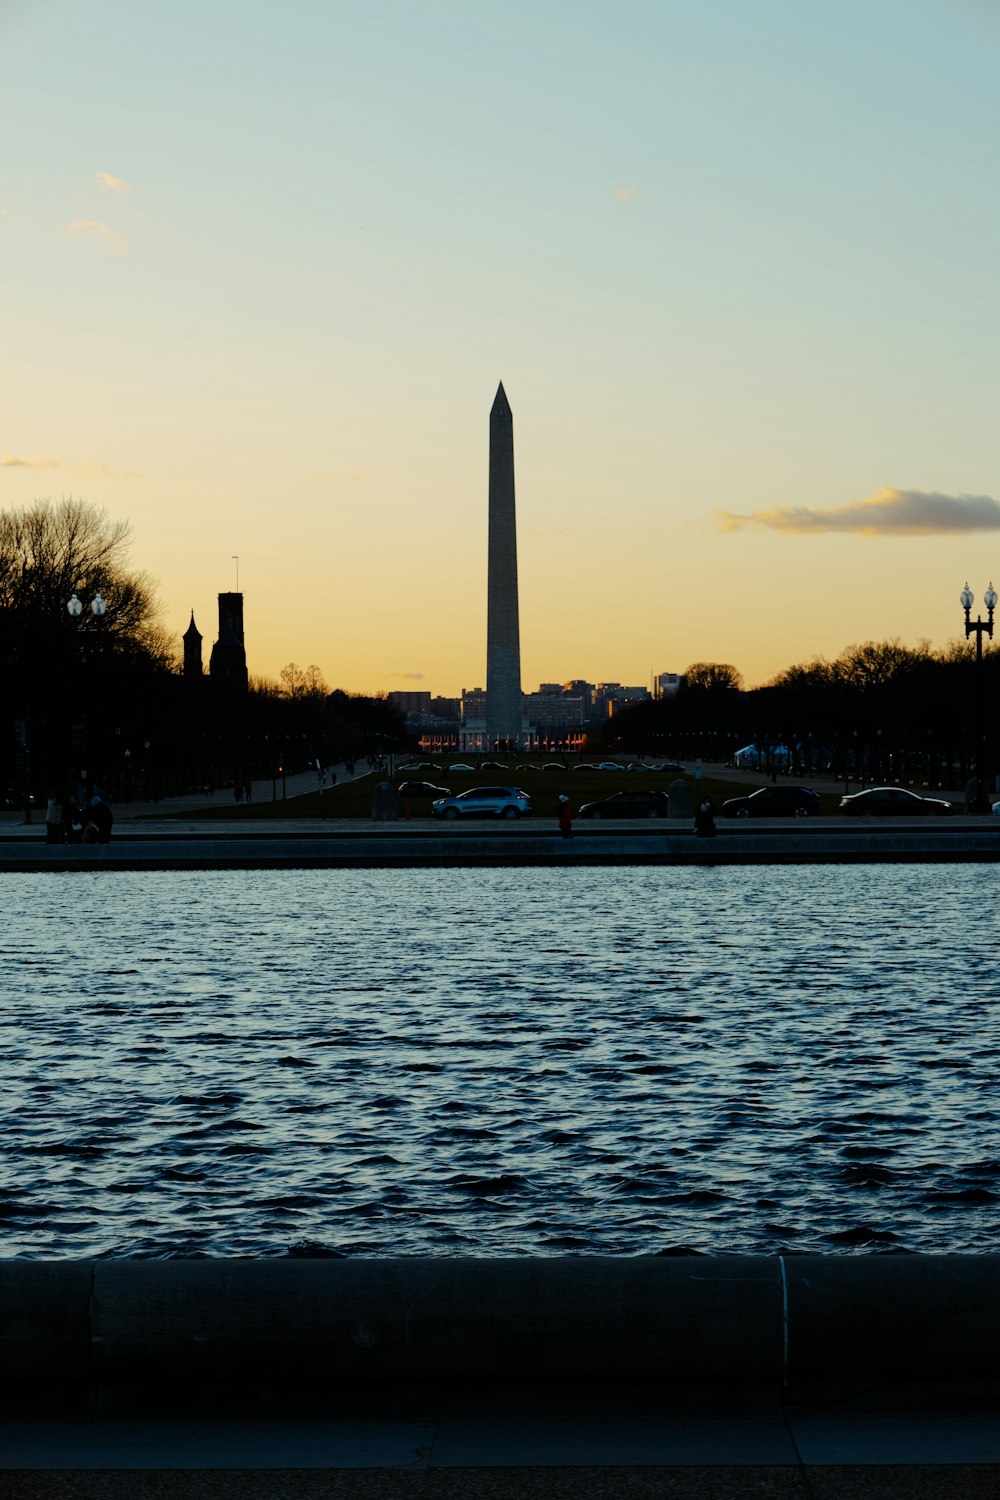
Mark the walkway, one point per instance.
(297, 785)
(496, 1458)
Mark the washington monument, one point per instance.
(504, 719)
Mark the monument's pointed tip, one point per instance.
(500, 402)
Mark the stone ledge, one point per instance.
(527, 846)
(826, 1333)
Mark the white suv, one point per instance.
(484, 802)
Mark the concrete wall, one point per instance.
(491, 843)
(778, 1325)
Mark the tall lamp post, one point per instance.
(979, 627)
(74, 608)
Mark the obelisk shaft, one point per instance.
(503, 641)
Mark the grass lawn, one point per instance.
(354, 799)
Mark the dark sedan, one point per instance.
(893, 802)
(422, 789)
(628, 805)
(774, 802)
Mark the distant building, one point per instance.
(432, 721)
(608, 694)
(473, 701)
(411, 703)
(578, 688)
(422, 709)
(228, 663)
(669, 684)
(192, 650)
(473, 735)
(553, 713)
(439, 729)
(616, 705)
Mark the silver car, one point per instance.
(484, 802)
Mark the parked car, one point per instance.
(484, 802)
(554, 765)
(668, 765)
(460, 766)
(636, 765)
(587, 765)
(893, 802)
(422, 789)
(491, 765)
(609, 765)
(628, 805)
(774, 802)
(14, 798)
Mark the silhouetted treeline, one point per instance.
(895, 712)
(274, 729)
(134, 728)
(96, 700)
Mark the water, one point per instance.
(456, 1062)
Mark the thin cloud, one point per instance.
(111, 184)
(11, 461)
(84, 470)
(625, 194)
(98, 234)
(332, 476)
(104, 471)
(887, 513)
(410, 676)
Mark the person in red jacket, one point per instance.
(565, 817)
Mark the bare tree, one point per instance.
(293, 681)
(49, 552)
(298, 684)
(713, 675)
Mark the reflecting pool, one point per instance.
(404, 1062)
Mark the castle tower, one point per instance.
(192, 650)
(504, 718)
(228, 663)
(231, 615)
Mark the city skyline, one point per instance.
(734, 269)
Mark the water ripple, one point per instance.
(496, 1062)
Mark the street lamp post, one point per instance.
(979, 627)
(74, 608)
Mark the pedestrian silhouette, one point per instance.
(704, 819)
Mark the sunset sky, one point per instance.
(736, 264)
